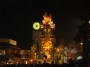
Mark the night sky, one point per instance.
(16, 18)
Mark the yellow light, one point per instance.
(26, 62)
(41, 26)
(7, 63)
(57, 49)
(48, 56)
(44, 22)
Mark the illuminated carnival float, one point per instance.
(44, 48)
(47, 40)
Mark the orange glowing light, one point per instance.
(47, 18)
(47, 45)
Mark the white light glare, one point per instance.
(89, 22)
(81, 43)
(79, 57)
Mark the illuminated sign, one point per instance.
(36, 25)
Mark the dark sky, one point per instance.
(16, 18)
